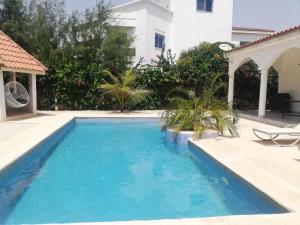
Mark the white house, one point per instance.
(244, 35)
(174, 24)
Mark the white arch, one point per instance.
(281, 52)
(264, 53)
(244, 61)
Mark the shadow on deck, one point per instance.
(271, 117)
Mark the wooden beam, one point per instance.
(6, 69)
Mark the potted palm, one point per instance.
(123, 89)
(205, 116)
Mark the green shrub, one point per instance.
(198, 65)
(160, 77)
(78, 48)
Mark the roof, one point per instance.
(14, 58)
(267, 38)
(252, 29)
(127, 3)
(134, 2)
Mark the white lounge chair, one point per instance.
(273, 133)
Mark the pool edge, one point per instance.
(243, 180)
(290, 216)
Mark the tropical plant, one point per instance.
(192, 113)
(75, 47)
(198, 66)
(124, 89)
(160, 77)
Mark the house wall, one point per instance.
(238, 37)
(184, 27)
(135, 18)
(158, 21)
(190, 27)
(124, 19)
(149, 18)
(289, 75)
(139, 35)
(165, 3)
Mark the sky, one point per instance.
(269, 14)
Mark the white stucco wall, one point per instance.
(140, 38)
(158, 21)
(190, 27)
(125, 19)
(165, 3)
(149, 18)
(289, 75)
(237, 37)
(183, 26)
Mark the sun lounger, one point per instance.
(273, 133)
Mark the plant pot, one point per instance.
(180, 138)
(184, 136)
(209, 134)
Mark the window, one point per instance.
(159, 40)
(205, 5)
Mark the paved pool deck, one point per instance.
(273, 170)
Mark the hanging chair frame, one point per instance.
(16, 95)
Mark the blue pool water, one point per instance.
(97, 170)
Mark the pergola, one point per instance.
(16, 60)
(280, 50)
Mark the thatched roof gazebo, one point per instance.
(18, 62)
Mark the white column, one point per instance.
(32, 92)
(231, 87)
(263, 92)
(2, 98)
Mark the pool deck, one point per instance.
(273, 170)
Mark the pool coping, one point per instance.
(258, 181)
(52, 126)
(243, 179)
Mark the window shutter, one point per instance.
(209, 5)
(201, 5)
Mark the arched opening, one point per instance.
(247, 86)
(288, 67)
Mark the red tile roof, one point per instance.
(13, 57)
(267, 38)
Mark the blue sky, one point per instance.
(271, 14)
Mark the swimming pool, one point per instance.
(95, 170)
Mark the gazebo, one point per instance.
(17, 62)
(280, 50)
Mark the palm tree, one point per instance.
(124, 89)
(192, 113)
